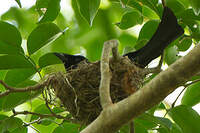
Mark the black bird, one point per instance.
(70, 61)
(168, 30)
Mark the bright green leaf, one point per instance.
(48, 59)
(52, 11)
(9, 34)
(196, 6)
(14, 61)
(171, 55)
(16, 76)
(186, 3)
(42, 35)
(88, 9)
(130, 19)
(19, 3)
(67, 128)
(149, 13)
(187, 118)
(151, 4)
(191, 96)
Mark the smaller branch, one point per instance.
(163, 3)
(186, 85)
(40, 115)
(156, 69)
(104, 88)
(173, 104)
(131, 127)
(26, 89)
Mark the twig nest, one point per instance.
(78, 89)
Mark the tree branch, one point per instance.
(104, 88)
(148, 96)
(26, 89)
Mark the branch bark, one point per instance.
(114, 116)
(104, 89)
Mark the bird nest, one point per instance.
(78, 89)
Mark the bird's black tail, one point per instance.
(168, 30)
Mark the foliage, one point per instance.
(28, 37)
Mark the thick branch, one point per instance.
(104, 88)
(112, 118)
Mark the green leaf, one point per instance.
(52, 11)
(176, 129)
(175, 5)
(48, 59)
(151, 4)
(124, 2)
(130, 19)
(2, 76)
(196, 6)
(15, 99)
(171, 55)
(13, 62)
(186, 3)
(67, 128)
(88, 9)
(42, 35)
(10, 35)
(187, 118)
(149, 13)
(10, 124)
(19, 3)
(191, 96)
(135, 4)
(42, 109)
(9, 49)
(16, 76)
(145, 32)
(184, 44)
(139, 128)
(188, 14)
(153, 121)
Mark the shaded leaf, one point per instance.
(14, 99)
(130, 19)
(88, 9)
(135, 4)
(10, 124)
(184, 44)
(175, 6)
(187, 118)
(52, 11)
(148, 29)
(48, 59)
(67, 128)
(14, 61)
(42, 35)
(191, 96)
(196, 6)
